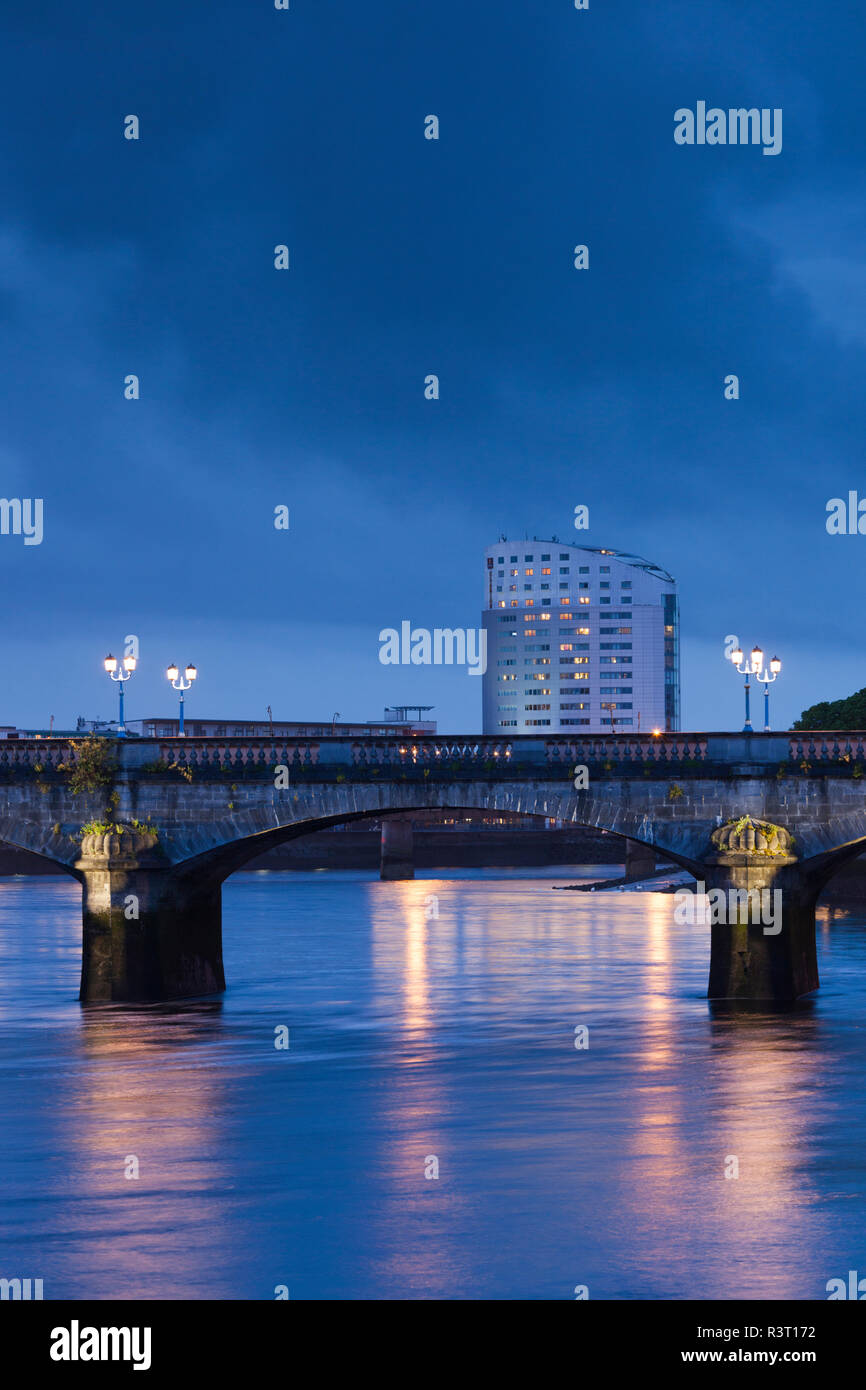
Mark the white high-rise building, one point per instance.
(578, 641)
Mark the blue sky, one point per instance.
(410, 257)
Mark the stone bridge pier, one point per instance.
(761, 910)
(397, 860)
(150, 932)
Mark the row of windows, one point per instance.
(584, 706)
(528, 559)
(531, 560)
(530, 632)
(581, 583)
(563, 617)
(500, 574)
(585, 692)
(546, 617)
(566, 723)
(574, 704)
(532, 618)
(545, 603)
(563, 647)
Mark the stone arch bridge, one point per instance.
(151, 828)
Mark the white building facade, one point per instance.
(578, 641)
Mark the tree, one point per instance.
(849, 713)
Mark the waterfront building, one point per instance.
(579, 641)
(396, 723)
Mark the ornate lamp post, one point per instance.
(121, 674)
(752, 667)
(178, 683)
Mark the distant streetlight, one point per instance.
(121, 674)
(611, 706)
(178, 683)
(752, 667)
(334, 721)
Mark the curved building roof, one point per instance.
(637, 560)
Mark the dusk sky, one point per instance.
(305, 387)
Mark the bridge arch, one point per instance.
(34, 844)
(259, 834)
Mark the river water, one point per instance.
(416, 1037)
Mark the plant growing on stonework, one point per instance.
(675, 792)
(94, 766)
(108, 827)
(100, 827)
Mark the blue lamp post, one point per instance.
(121, 674)
(752, 667)
(178, 683)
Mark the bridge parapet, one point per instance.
(687, 754)
(652, 749)
(238, 755)
(35, 754)
(829, 747)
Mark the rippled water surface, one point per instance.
(414, 1036)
